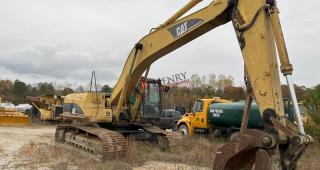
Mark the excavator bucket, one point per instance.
(13, 118)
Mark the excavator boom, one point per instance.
(169, 38)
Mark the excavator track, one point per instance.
(174, 138)
(103, 143)
(165, 138)
(169, 139)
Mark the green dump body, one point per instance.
(229, 115)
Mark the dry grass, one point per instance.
(193, 151)
(198, 152)
(310, 160)
(61, 157)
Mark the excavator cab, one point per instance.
(150, 94)
(151, 103)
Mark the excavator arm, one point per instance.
(259, 33)
(257, 45)
(165, 39)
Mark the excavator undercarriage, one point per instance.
(103, 143)
(112, 142)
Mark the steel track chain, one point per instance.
(114, 144)
(174, 138)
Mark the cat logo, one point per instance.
(181, 29)
(184, 27)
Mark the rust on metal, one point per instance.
(292, 127)
(235, 154)
(238, 17)
(248, 101)
(281, 127)
(246, 112)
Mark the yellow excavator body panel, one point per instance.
(45, 114)
(87, 105)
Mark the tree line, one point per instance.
(223, 86)
(16, 91)
(200, 86)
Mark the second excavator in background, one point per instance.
(46, 108)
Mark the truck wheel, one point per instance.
(184, 130)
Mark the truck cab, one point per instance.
(197, 120)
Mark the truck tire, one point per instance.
(184, 130)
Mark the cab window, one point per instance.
(198, 106)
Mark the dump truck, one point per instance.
(222, 118)
(11, 117)
(46, 107)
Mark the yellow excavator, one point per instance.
(256, 22)
(46, 107)
(98, 130)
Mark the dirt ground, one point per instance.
(34, 148)
(12, 139)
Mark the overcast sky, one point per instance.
(64, 40)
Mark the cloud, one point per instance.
(65, 40)
(59, 63)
